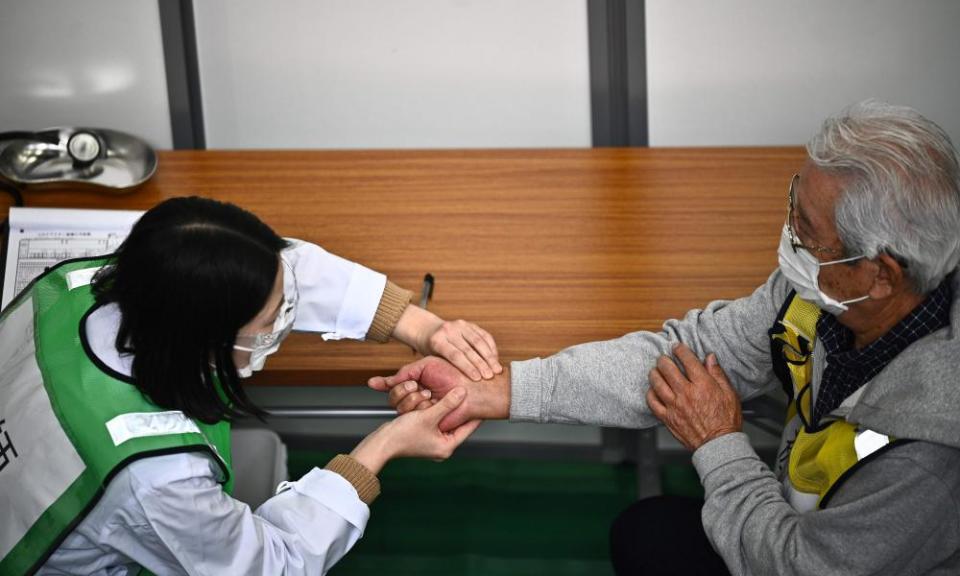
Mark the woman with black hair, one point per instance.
(129, 379)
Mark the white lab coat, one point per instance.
(169, 514)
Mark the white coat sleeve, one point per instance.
(338, 298)
(183, 522)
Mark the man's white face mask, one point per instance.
(802, 270)
(262, 345)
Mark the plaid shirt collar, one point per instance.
(848, 369)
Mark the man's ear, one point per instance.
(891, 277)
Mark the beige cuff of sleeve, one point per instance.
(392, 304)
(363, 480)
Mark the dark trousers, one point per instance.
(663, 536)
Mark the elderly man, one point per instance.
(859, 324)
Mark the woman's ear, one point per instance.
(891, 277)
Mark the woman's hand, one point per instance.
(416, 435)
(466, 345)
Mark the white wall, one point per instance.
(93, 63)
(394, 73)
(474, 73)
(760, 72)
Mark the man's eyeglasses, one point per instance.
(792, 233)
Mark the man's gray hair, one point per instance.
(902, 190)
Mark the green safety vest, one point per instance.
(821, 457)
(66, 425)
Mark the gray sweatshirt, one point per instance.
(896, 514)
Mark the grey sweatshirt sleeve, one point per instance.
(606, 382)
(896, 515)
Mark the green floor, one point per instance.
(492, 517)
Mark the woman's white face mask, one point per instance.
(262, 345)
(802, 270)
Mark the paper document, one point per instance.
(41, 237)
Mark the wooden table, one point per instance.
(544, 248)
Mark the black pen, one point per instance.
(427, 293)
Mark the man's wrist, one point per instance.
(494, 396)
(721, 451)
(717, 434)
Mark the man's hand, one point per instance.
(418, 385)
(696, 407)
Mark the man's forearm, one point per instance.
(599, 383)
(605, 383)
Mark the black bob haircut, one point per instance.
(191, 273)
